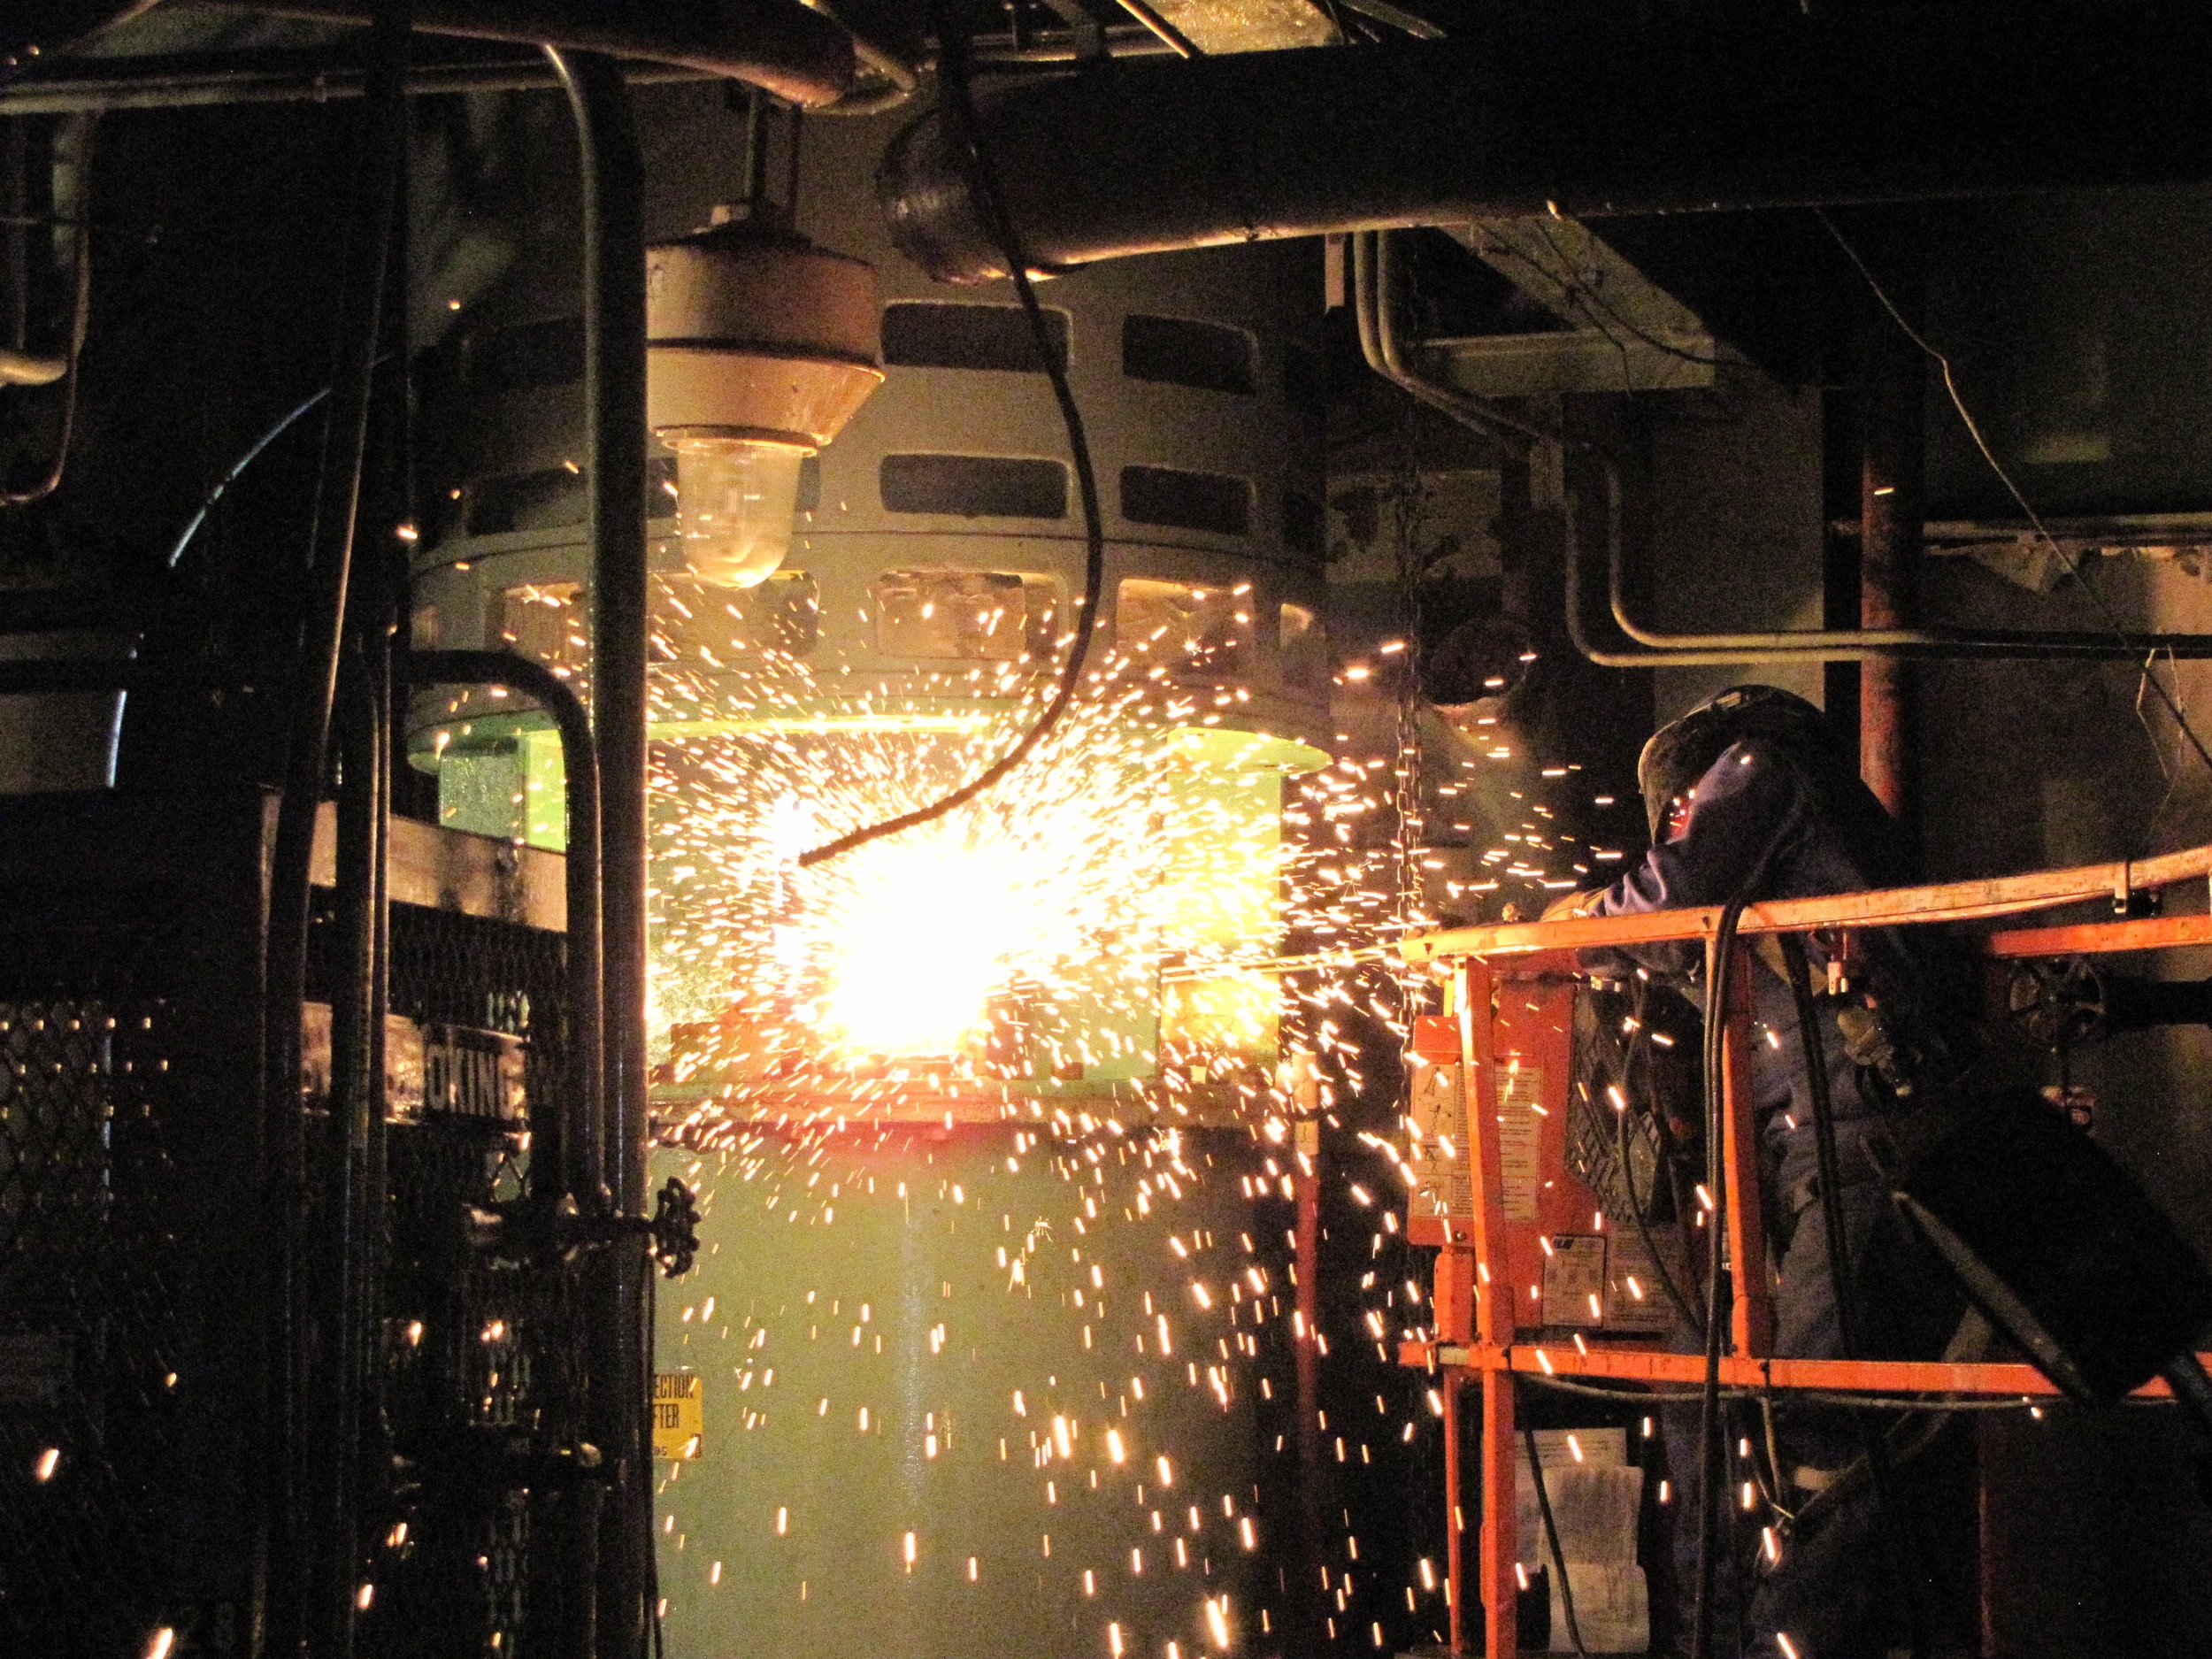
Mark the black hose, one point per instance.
(1709, 1398)
(1691, 1316)
(1720, 978)
(1815, 1063)
(1874, 1445)
(952, 74)
(1551, 1537)
(236, 469)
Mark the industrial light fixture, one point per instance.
(761, 347)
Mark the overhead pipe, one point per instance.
(1833, 645)
(805, 57)
(200, 81)
(1375, 309)
(1575, 105)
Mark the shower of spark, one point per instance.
(1023, 939)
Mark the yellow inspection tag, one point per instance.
(679, 1414)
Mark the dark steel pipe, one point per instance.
(561, 1146)
(802, 56)
(1575, 104)
(284, 1546)
(164, 83)
(347, 1299)
(614, 394)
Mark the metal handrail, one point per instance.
(1943, 902)
(565, 1150)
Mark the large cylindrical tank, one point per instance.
(958, 1398)
(935, 566)
(991, 1346)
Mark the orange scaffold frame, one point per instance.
(1514, 987)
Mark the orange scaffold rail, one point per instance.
(1514, 1289)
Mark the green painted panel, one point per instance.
(504, 778)
(950, 1337)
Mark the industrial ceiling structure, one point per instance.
(761, 763)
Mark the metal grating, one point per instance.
(133, 1238)
(484, 1368)
(92, 1350)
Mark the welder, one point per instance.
(1751, 797)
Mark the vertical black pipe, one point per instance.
(376, 1183)
(282, 1566)
(614, 390)
(361, 994)
(357, 1092)
(571, 1157)
(383, 603)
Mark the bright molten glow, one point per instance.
(916, 937)
(1019, 942)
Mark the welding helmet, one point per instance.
(1684, 750)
